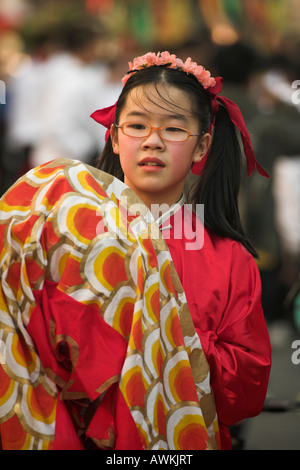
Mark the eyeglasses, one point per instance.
(169, 133)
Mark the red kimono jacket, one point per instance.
(223, 290)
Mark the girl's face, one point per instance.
(156, 169)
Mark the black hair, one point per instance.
(218, 186)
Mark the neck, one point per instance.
(159, 206)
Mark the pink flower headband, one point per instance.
(165, 58)
(213, 86)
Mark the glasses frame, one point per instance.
(152, 128)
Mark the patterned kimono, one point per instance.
(97, 345)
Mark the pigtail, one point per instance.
(218, 186)
(109, 162)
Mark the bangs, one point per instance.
(160, 95)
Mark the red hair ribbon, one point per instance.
(237, 119)
(106, 117)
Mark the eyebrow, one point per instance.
(179, 117)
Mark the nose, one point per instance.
(153, 140)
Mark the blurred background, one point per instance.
(60, 60)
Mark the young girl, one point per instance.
(220, 278)
(105, 341)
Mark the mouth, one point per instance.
(152, 162)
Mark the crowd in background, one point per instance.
(50, 98)
(64, 74)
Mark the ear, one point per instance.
(114, 139)
(202, 148)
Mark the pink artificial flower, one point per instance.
(190, 67)
(138, 62)
(166, 57)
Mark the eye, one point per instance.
(136, 125)
(175, 129)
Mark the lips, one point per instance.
(152, 161)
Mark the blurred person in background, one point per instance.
(11, 58)
(275, 134)
(77, 78)
(52, 100)
(286, 191)
(22, 117)
(264, 96)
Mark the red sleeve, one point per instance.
(238, 351)
(75, 345)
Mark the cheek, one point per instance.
(127, 153)
(182, 156)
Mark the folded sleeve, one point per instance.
(238, 350)
(84, 357)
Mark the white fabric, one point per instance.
(286, 188)
(51, 106)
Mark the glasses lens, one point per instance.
(136, 130)
(174, 134)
